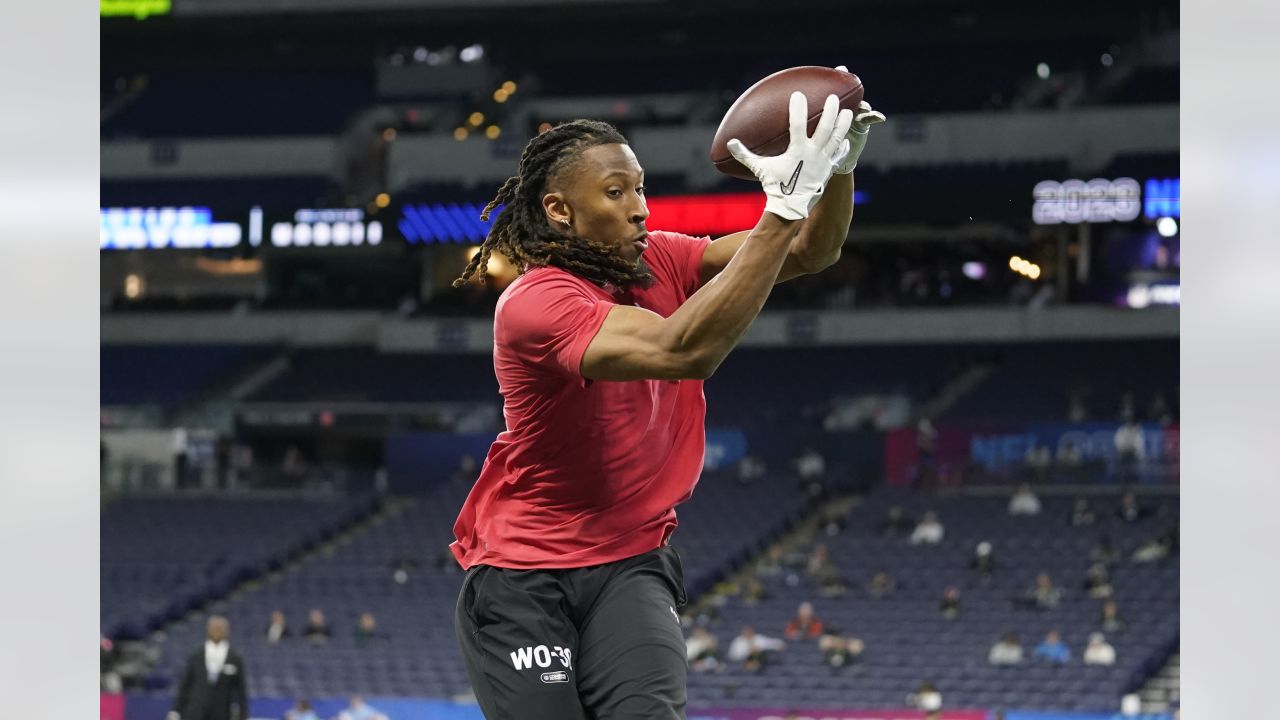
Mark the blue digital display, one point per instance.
(1162, 197)
(431, 223)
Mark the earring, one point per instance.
(566, 223)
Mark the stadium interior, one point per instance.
(295, 400)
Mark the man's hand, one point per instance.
(862, 122)
(793, 181)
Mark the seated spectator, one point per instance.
(753, 649)
(750, 469)
(1099, 651)
(1111, 621)
(1042, 595)
(772, 562)
(366, 629)
(1157, 548)
(929, 530)
(838, 651)
(1104, 552)
(301, 711)
(1006, 652)
(703, 651)
(1024, 501)
(277, 629)
(821, 567)
(804, 625)
(983, 560)
(358, 709)
(1037, 461)
(810, 466)
(895, 522)
(1129, 510)
(1081, 515)
(881, 584)
(950, 604)
(927, 698)
(1053, 649)
(753, 593)
(1097, 582)
(317, 630)
(833, 521)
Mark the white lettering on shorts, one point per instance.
(541, 655)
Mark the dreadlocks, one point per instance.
(521, 231)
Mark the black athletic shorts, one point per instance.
(601, 642)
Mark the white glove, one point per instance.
(862, 122)
(793, 181)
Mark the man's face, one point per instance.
(602, 195)
(218, 629)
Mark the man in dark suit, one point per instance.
(213, 684)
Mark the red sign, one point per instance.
(717, 214)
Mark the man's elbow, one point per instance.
(811, 265)
(698, 365)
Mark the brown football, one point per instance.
(759, 117)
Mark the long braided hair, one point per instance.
(522, 232)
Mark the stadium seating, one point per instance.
(907, 639)
(169, 374)
(162, 557)
(721, 526)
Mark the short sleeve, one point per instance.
(549, 321)
(679, 257)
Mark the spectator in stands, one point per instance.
(367, 629)
(1038, 460)
(825, 571)
(750, 469)
(811, 468)
(317, 630)
(1104, 552)
(833, 521)
(108, 655)
(1043, 595)
(949, 606)
(301, 710)
(1130, 510)
(703, 651)
(881, 585)
(838, 650)
(1006, 652)
(984, 560)
(804, 624)
(1099, 651)
(1097, 583)
(358, 709)
(926, 445)
(293, 465)
(1077, 410)
(277, 629)
(927, 698)
(212, 686)
(895, 522)
(1069, 462)
(1081, 514)
(1130, 451)
(753, 593)
(1053, 649)
(1156, 548)
(1024, 501)
(928, 531)
(773, 561)
(1111, 620)
(753, 649)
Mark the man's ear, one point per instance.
(557, 209)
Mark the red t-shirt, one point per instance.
(587, 472)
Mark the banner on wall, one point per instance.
(827, 714)
(1036, 715)
(1001, 449)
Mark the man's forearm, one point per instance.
(713, 319)
(818, 243)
